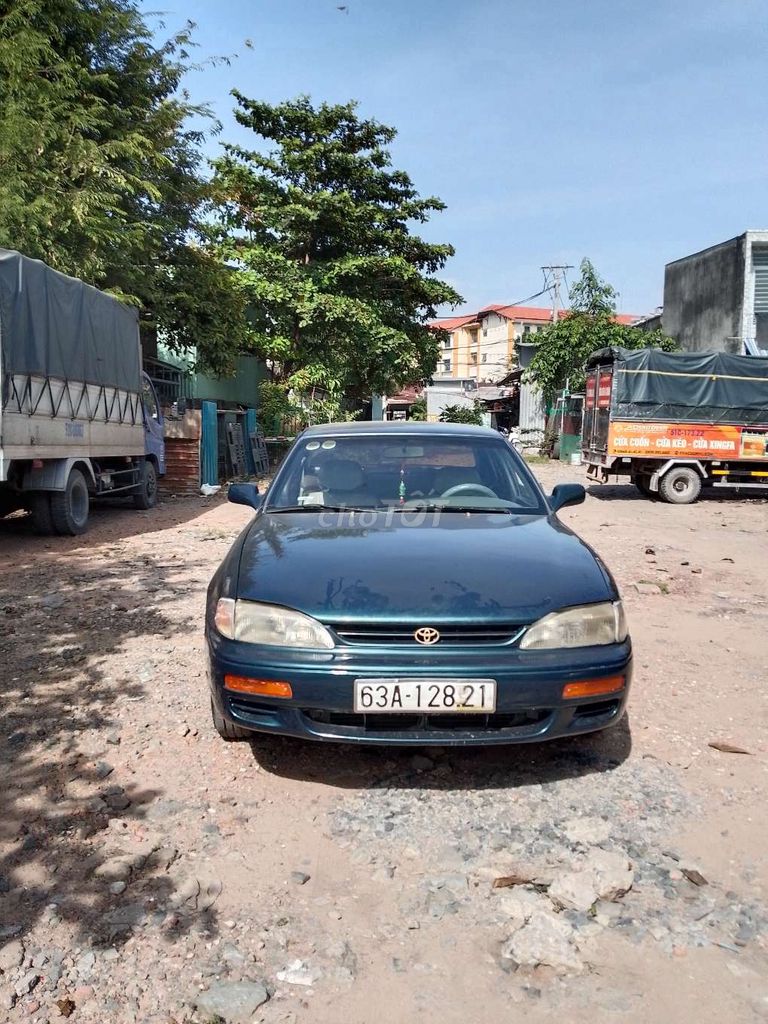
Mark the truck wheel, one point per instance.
(680, 486)
(69, 508)
(146, 496)
(40, 510)
(226, 729)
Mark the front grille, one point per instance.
(427, 723)
(398, 634)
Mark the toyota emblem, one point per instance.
(426, 635)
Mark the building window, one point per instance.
(485, 357)
(473, 357)
(447, 365)
(447, 342)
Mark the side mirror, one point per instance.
(245, 494)
(566, 494)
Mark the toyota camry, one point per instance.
(411, 583)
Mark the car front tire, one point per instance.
(226, 729)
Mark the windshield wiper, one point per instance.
(317, 507)
(434, 506)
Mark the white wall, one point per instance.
(493, 355)
(438, 398)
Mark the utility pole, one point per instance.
(553, 278)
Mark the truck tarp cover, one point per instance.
(55, 326)
(694, 387)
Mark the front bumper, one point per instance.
(529, 706)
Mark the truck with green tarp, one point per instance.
(677, 422)
(78, 418)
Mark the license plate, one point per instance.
(429, 696)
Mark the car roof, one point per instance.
(400, 427)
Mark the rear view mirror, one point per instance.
(245, 494)
(566, 494)
(403, 451)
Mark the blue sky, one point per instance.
(629, 131)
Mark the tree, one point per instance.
(101, 168)
(562, 348)
(341, 290)
(463, 414)
(418, 411)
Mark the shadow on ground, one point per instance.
(116, 519)
(348, 766)
(628, 492)
(67, 614)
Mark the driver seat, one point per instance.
(343, 483)
(451, 476)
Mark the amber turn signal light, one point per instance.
(260, 687)
(594, 687)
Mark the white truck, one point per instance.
(78, 418)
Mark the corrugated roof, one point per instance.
(407, 396)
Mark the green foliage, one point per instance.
(100, 167)
(563, 348)
(319, 224)
(274, 406)
(419, 410)
(283, 411)
(463, 414)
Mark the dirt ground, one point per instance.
(150, 872)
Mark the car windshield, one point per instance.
(405, 471)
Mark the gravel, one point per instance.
(614, 849)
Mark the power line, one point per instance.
(554, 274)
(521, 302)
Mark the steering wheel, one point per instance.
(477, 489)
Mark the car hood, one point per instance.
(466, 567)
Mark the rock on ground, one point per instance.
(603, 874)
(233, 1001)
(545, 939)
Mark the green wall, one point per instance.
(241, 388)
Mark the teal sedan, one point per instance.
(410, 583)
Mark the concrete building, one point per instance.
(486, 348)
(482, 346)
(486, 345)
(717, 299)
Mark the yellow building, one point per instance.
(482, 346)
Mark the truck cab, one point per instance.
(154, 443)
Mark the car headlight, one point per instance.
(586, 626)
(256, 623)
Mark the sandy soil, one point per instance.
(143, 861)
